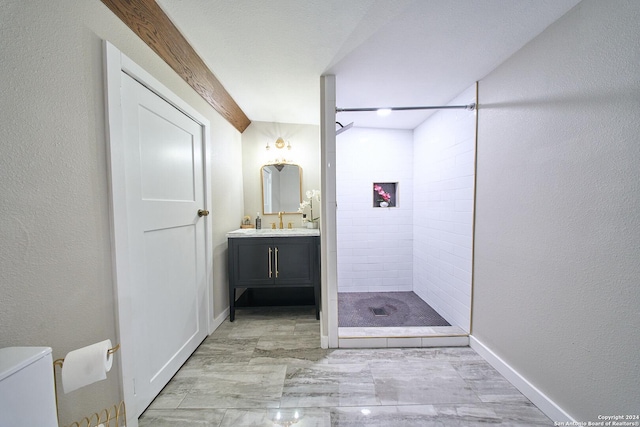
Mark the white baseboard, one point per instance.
(538, 398)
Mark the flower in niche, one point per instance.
(383, 196)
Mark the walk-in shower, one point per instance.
(408, 264)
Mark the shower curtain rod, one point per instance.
(469, 107)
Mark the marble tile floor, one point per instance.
(267, 369)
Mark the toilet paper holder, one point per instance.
(116, 413)
(59, 362)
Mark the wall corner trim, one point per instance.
(215, 322)
(324, 341)
(537, 397)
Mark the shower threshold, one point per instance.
(404, 336)
(401, 331)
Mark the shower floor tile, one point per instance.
(385, 309)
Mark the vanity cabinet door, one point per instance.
(253, 262)
(295, 261)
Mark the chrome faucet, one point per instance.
(280, 218)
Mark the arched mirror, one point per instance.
(281, 188)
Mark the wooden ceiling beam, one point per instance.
(154, 27)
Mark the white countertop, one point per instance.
(268, 232)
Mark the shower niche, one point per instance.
(385, 194)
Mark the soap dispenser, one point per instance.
(258, 221)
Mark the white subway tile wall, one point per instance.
(374, 244)
(444, 165)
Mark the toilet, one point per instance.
(27, 390)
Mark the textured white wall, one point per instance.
(557, 247)
(374, 244)
(227, 207)
(55, 256)
(444, 166)
(305, 152)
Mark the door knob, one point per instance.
(203, 212)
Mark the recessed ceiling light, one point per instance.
(384, 111)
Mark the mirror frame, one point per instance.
(262, 186)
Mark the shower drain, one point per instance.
(379, 311)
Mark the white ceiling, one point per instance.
(269, 55)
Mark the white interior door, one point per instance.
(163, 166)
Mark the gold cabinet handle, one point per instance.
(269, 263)
(203, 212)
(276, 262)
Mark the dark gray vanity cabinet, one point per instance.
(273, 262)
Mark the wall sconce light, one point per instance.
(279, 144)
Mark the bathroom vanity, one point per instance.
(274, 259)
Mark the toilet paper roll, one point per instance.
(86, 365)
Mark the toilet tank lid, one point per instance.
(13, 359)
